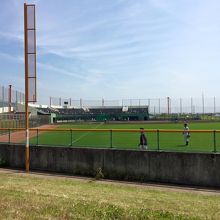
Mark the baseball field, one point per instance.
(205, 140)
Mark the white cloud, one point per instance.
(114, 48)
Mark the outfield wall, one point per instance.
(166, 167)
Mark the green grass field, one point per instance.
(28, 196)
(199, 142)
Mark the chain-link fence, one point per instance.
(168, 105)
(10, 100)
(158, 139)
(17, 120)
(12, 110)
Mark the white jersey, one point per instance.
(186, 131)
(186, 134)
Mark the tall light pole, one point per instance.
(9, 99)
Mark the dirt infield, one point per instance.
(19, 136)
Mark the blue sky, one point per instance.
(116, 49)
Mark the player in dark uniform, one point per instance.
(143, 140)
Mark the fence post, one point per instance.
(37, 136)
(214, 140)
(158, 139)
(111, 138)
(71, 136)
(9, 136)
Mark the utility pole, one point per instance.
(9, 99)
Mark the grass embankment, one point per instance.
(167, 141)
(26, 196)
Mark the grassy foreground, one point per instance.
(26, 196)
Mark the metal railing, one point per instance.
(159, 139)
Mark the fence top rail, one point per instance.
(12, 129)
(110, 130)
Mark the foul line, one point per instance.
(85, 134)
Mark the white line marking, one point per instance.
(85, 134)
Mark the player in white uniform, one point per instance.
(186, 134)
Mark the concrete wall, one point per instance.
(169, 167)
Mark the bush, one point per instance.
(3, 162)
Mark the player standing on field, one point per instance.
(186, 134)
(143, 140)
